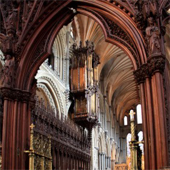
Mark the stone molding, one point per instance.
(47, 92)
(56, 91)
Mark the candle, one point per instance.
(132, 113)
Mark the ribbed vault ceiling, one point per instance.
(116, 69)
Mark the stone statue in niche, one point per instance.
(8, 72)
(153, 37)
(12, 20)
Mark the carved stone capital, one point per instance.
(142, 73)
(15, 94)
(156, 64)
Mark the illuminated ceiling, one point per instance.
(116, 69)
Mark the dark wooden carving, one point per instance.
(66, 136)
(153, 38)
(8, 72)
(155, 64)
(83, 84)
(119, 34)
(19, 19)
(141, 73)
(15, 94)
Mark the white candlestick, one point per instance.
(132, 113)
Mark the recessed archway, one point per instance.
(40, 44)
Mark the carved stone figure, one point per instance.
(8, 72)
(12, 21)
(153, 37)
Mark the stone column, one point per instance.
(112, 164)
(104, 162)
(123, 150)
(67, 59)
(99, 161)
(102, 166)
(108, 162)
(105, 115)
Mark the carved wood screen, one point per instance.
(40, 151)
(70, 145)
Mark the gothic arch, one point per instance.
(44, 43)
(59, 52)
(54, 89)
(102, 143)
(44, 88)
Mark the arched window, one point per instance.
(139, 114)
(128, 139)
(71, 32)
(140, 138)
(125, 121)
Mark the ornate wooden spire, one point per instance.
(84, 84)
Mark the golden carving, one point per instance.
(133, 143)
(40, 151)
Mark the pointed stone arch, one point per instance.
(43, 45)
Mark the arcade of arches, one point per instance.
(71, 71)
